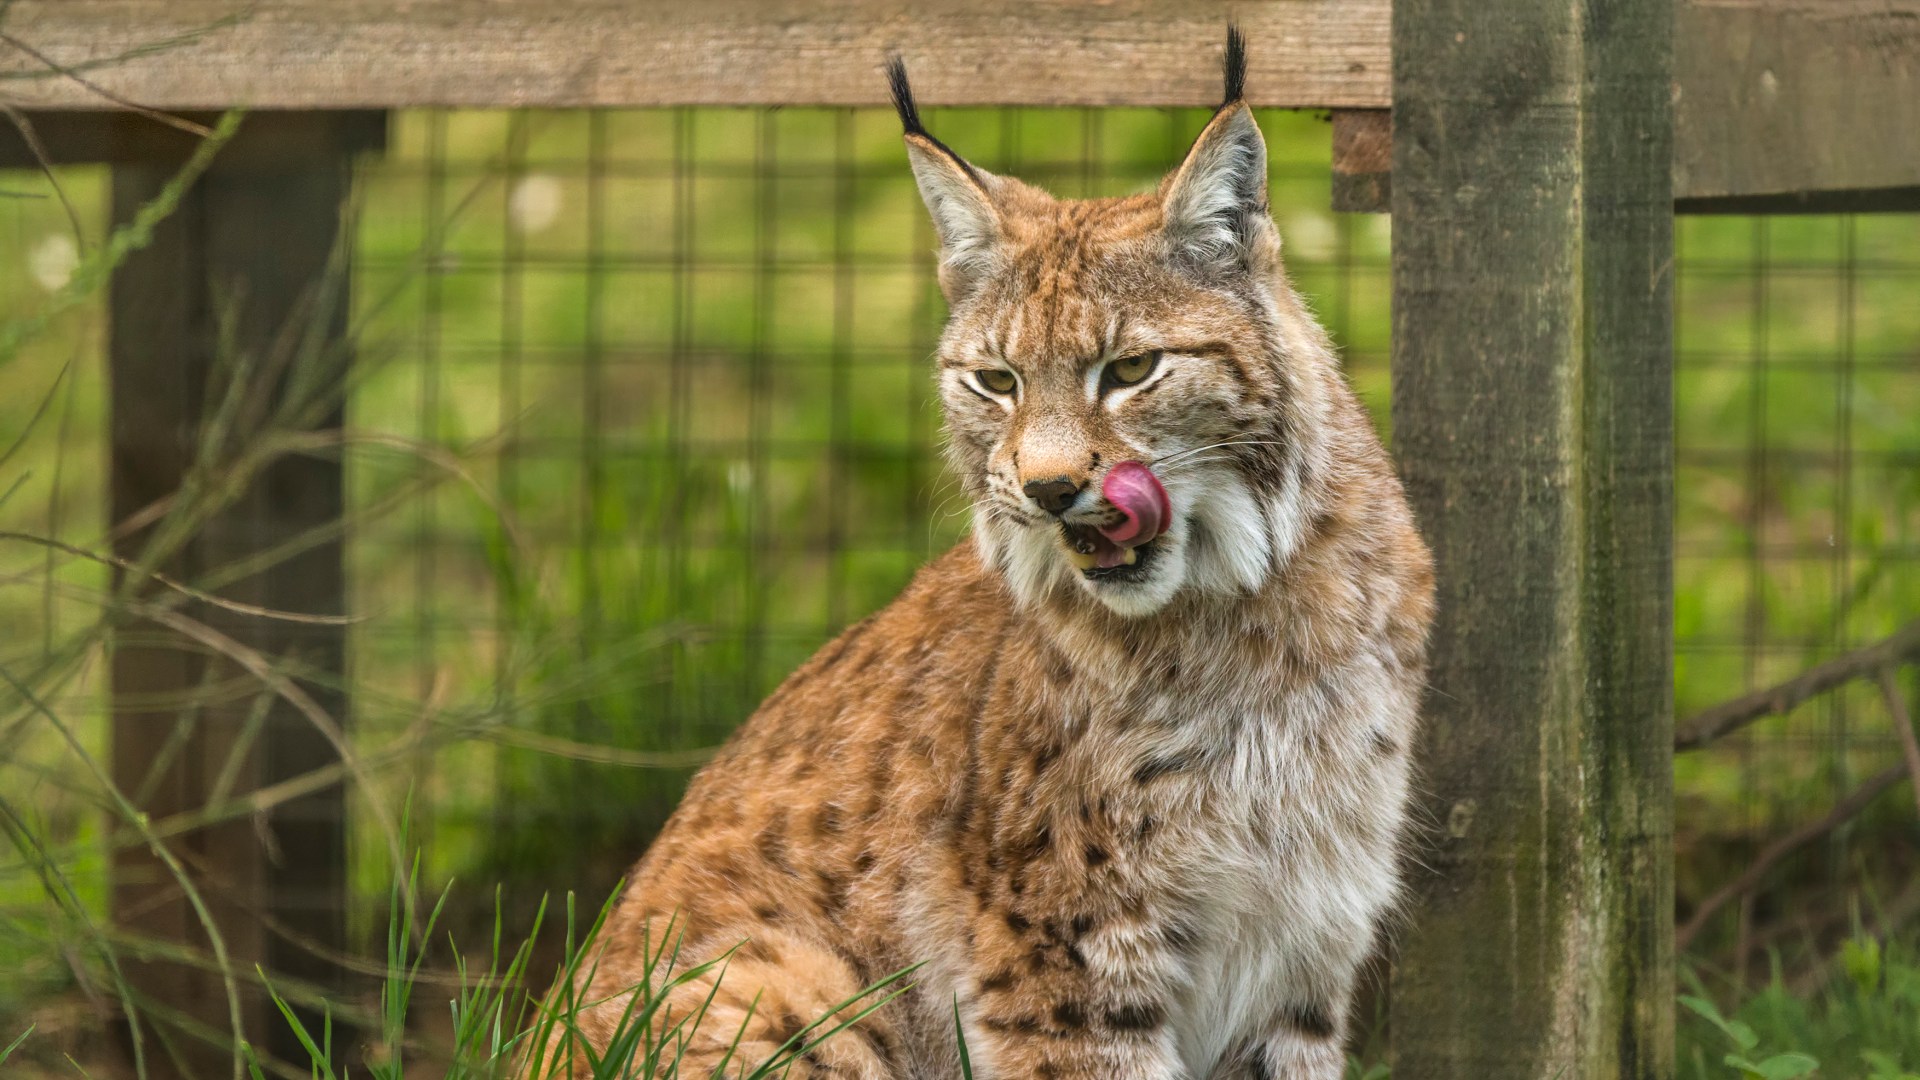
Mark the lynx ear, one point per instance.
(1216, 201)
(959, 196)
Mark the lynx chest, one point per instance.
(1280, 816)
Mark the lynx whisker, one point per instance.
(1168, 459)
(1192, 462)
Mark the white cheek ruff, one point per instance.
(1026, 557)
(1239, 549)
(987, 539)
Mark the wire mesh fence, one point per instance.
(706, 337)
(1797, 440)
(643, 415)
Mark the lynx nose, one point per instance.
(1054, 496)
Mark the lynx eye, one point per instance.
(1130, 370)
(995, 380)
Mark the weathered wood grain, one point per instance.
(210, 54)
(1780, 107)
(1774, 98)
(1362, 159)
(1781, 96)
(1533, 422)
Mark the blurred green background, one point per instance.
(680, 358)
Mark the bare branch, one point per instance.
(1845, 809)
(132, 814)
(94, 269)
(183, 124)
(257, 665)
(1902, 726)
(179, 586)
(1902, 646)
(39, 151)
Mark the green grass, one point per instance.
(500, 1029)
(1862, 1024)
(1858, 1020)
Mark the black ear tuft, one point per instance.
(1235, 67)
(903, 97)
(909, 111)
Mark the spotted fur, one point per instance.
(1137, 826)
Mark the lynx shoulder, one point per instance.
(1125, 772)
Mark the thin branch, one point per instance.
(65, 899)
(140, 51)
(1900, 647)
(181, 123)
(240, 473)
(1902, 726)
(39, 412)
(94, 269)
(1842, 811)
(287, 690)
(272, 447)
(41, 158)
(182, 587)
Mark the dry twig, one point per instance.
(1881, 661)
(66, 71)
(180, 587)
(1901, 646)
(1842, 811)
(1903, 727)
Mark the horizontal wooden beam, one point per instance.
(1774, 97)
(1362, 159)
(268, 142)
(1892, 200)
(332, 54)
(1780, 107)
(1775, 100)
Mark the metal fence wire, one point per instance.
(704, 338)
(669, 372)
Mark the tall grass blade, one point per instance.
(15, 1044)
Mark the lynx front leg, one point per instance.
(1060, 1003)
(1062, 1043)
(1305, 1041)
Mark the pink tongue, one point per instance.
(1133, 489)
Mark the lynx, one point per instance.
(1125, 772)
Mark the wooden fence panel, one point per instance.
(313, 54)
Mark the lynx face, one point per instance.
(1088, 334)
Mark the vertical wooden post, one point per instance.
(241, 284)
(1532, 261)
